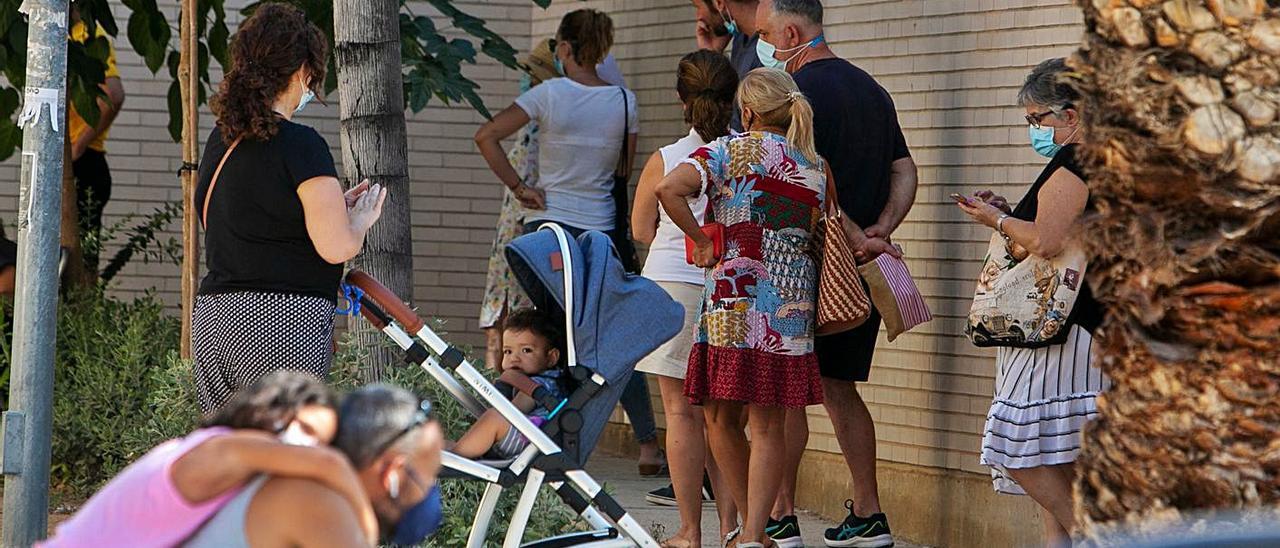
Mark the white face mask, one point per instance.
(294, 435)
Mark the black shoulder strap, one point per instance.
(626, 132)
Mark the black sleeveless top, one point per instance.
(1088, 312)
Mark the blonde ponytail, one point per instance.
(800, 134)
(776, 99)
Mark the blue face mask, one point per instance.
(559, 66)
(766, 51)
(420, 521)
(1042, 141)
(526, 82)
(307, 96)
(729, 24)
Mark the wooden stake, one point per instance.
(188, 75)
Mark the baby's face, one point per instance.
(527, 352)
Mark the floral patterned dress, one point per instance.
(501, 290)
(755, 333)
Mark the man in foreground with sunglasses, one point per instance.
(395, 446)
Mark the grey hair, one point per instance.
(1048, 86)
(810, 10)
(370, 417)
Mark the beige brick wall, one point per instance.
(953, 69)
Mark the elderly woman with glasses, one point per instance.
(1044, 396)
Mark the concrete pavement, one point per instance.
(620, 477)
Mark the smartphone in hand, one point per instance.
(960, 198)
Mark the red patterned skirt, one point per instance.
(752, 376)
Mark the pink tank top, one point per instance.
(141, 507)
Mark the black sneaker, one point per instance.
(662, 496)
(872, 532)
(666, 496)
(785, 532)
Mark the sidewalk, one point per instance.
(620, 478)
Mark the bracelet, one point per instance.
(1000, 225)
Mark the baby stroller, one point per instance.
(612, 319)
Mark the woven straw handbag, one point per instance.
(842, 300)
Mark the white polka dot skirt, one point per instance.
(238, 338)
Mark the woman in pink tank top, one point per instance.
(280, 426)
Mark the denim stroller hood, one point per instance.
(618, 318)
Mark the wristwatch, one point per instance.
(1000, 225)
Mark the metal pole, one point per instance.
(29, 421)
(187, 76)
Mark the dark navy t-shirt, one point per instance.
(744, 59)
(856, 130)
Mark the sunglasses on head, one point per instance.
(420, 417)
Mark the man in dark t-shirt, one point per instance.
(856, 130)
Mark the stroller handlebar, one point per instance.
(386, 300)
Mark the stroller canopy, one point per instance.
(617, 318)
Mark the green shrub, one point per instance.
(107, 353)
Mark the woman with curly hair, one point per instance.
(278, 226)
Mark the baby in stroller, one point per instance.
(532, 347)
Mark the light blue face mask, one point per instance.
(729, 24)
(1042, 141)
(307, 97)
(559, 66)
(526, 82)
(766, 51)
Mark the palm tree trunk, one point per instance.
(1184, 154)
(375, 146)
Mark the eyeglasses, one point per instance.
(420, 417)
(1035, 118)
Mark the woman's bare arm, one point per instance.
(336, 231)
(644, 212)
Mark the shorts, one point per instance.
(847, 356)
(514, 442)
(672, 358)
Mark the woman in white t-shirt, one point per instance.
(706, 83)
(581, 120)
(587, 130)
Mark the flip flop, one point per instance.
(681, 544)
(732, 535)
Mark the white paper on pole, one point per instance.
(35, 99)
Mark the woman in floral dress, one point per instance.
(767, 188)
(501, 291)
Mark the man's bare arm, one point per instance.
(903, 180)
(108, 109)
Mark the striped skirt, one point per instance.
(1044, 396)
(238, 338)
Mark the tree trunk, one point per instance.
(77, 272)
(375, 147)
(187, 75)
(1184, 152)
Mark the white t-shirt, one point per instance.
(579, 137)
(666, 260)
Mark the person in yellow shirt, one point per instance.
(88, 143)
